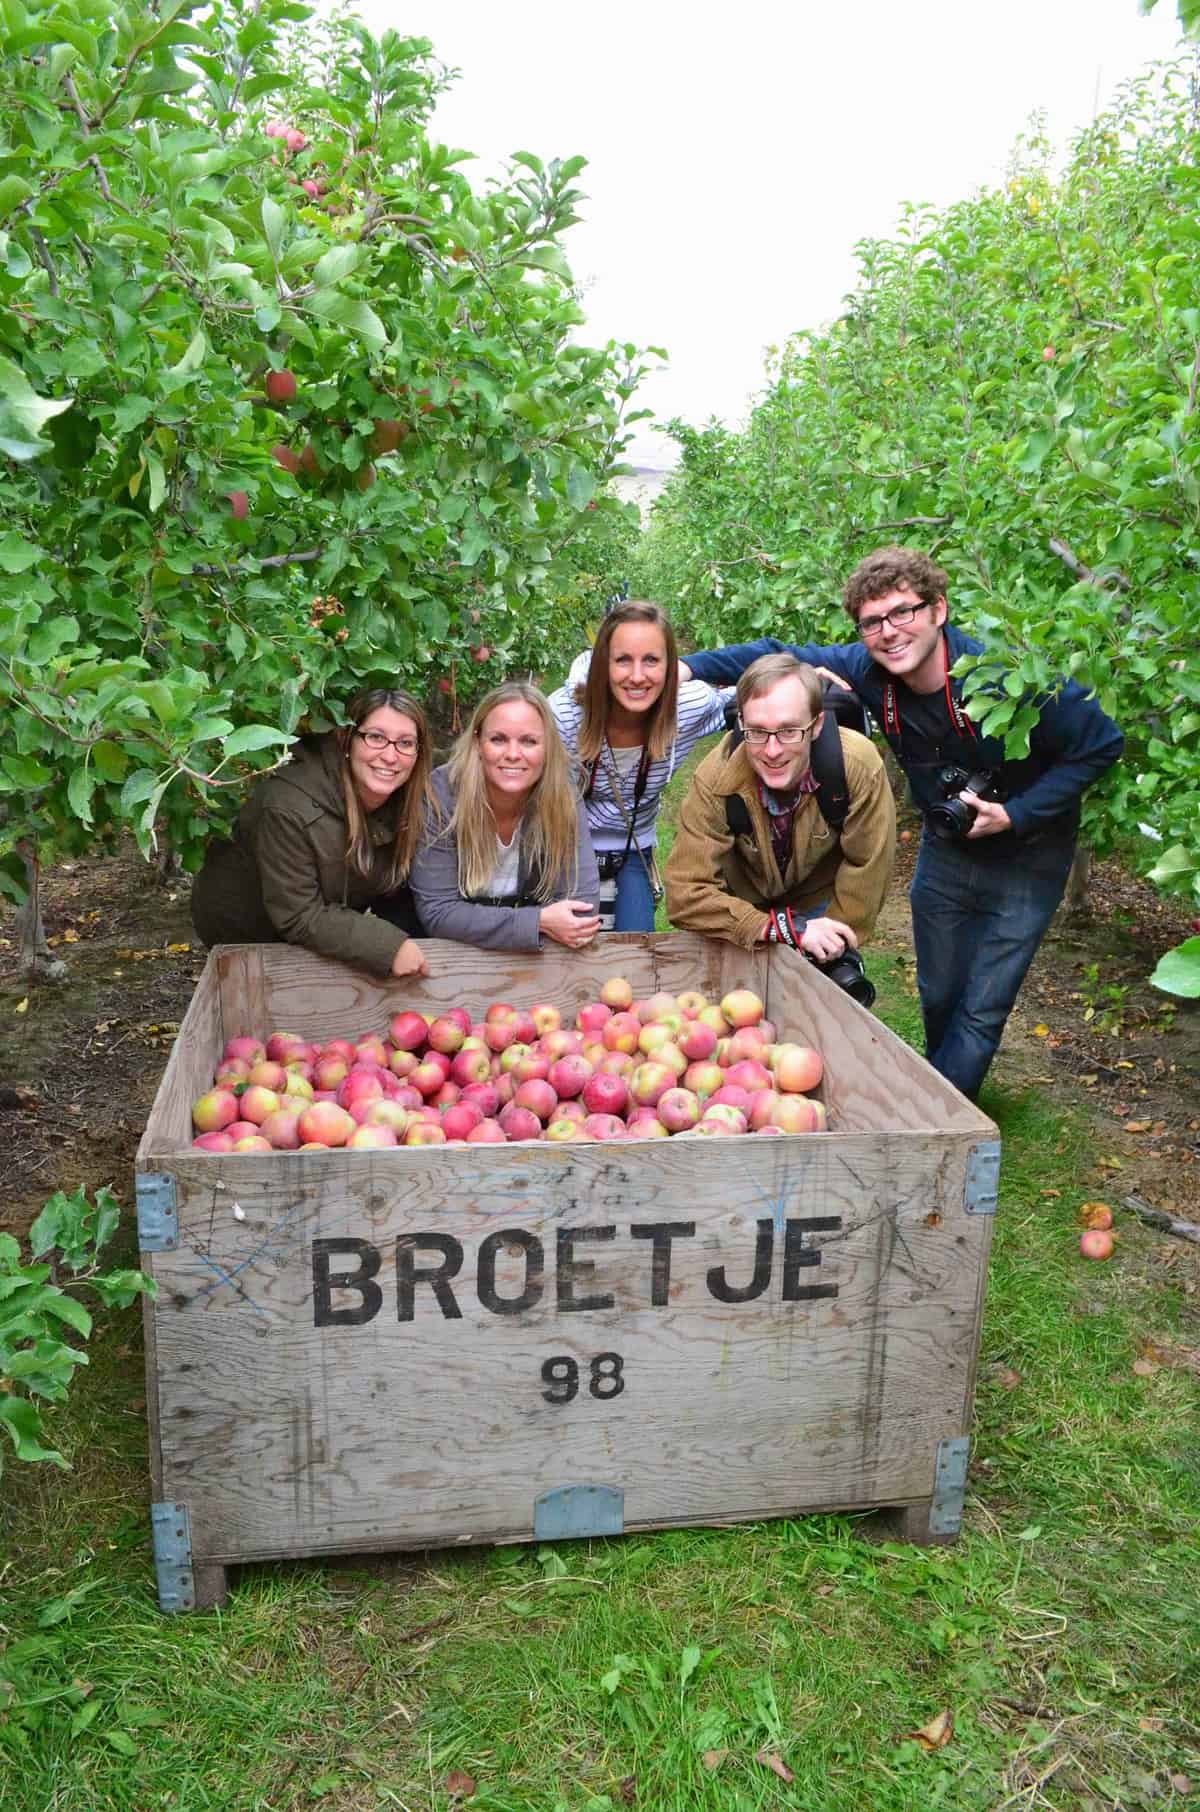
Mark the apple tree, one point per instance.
(286, 403)
(1015, 387)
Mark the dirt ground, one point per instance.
(80, 1060)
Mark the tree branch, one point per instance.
(1111, 581)
(270, 560)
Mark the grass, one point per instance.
(1061, 1631)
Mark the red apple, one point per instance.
(691, 1004)
(460, 1119)
(424, 1132)
(256, 1103)
(408, 1031)
(281, 385)
(488, 1132)
(281, 1129)
(239, 505)
(723, 1115)
(1096, 1242)
(546, 1018)
(617, 994)
(748, 1075)
(215, 1111)
(678, 1109)
(519, 1123)
(387, 1113)
(605, 1094)
(248, 1049)
(568, 1075)
(254, 1142)
(605, 1126)
(325, 1123)
(704, 1079)
(446, 1035)
(796, 1068)
(741, 1007)
(697, 1041)
(213, 1141)
(482, 1095)
(649, 1081)
(621, 1032)
(794, 1113)
(369, 1137)
(538, 1096)
(593, 1017)
(230, 1071)
(470, 1067)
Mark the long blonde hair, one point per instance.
(595, 696)
(550, 822)
(417, 793)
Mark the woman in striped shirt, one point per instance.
(629, 721)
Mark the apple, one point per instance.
(527, 1032)
(649, 1081)
(723, 1115)
(256, 1103)
(742, 1008)
(239, 505)
(571, 1110)
(748, 1043)
(617, 1063)
(1096, 1242)
(514, 1054)
(370, 1137)
(673, 1057)
(402, 1063)
(213, 1141)
(658, 1006)
(604, 1126)
(241, 1129)
(617, 994)
(546, 1018)
(697, 1041)
(713, 1129)
(499, 1010)
(538, 1095)
(563, 1132)
(488, 1132)
(445, 1097)
(275, 129)
(767, 1028)
(268, 1075)
(330, 1072)
(371, 1050)
(325, 1123)
(533, 1066)
(387, 435)
(593, 1017)
(652, 1037)
(253, 1143)
(338, 1047)
(312, 188)
(295, 140)
(704, 1079)
(762, 1105)
(568, 1075)
(748, 1075)
(774, 1131)
(713, 1017)
(500, 1033)
(645, 1124)
(248, 1049)
(730, 1096)
(482, 652)
(427, 1078)
(678, 1109)
(482, 1095)
(691, 1004)
(794, 1113)
(1096, 1214)
(621, 1032)
(470, 1068)
(407, 1031)
(519, 1123)
(593, 1051)
(605, 1094)
(796, 1068)
(423, 1132)
(504, 1085)
(281, 1129)
(561, 1043)
(215, 1111)
(281, 385)
(231, 1070)
(387, 1113)
(359, 1088)
(460, 1119)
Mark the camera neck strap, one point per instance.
(954, 710)
(614, 787)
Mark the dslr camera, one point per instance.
(848, 973)
(951, 818)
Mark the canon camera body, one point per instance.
(951, 817)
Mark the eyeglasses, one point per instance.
(788, 736)
(870, 627)
(377, 742)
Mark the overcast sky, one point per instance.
(736, 153)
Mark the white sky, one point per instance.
(736, 153)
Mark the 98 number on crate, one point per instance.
(605, 1377)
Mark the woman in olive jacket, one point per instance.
(327, 836)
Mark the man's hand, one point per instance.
(990, 815)
(685, 672)
(826, 938)
(833, 678)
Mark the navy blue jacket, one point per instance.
(1072, 743)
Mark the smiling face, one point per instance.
(512, 749)
(637, 667)
(912, 651)
(376, 773)
(784, 709)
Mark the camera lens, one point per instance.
(951, 818)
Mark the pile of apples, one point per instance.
(628, 1069)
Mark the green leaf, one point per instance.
(24, 1425)
(80, 788)
(13, 191)
(335, 264)
(581, 487)
(1178, 972)
(272, 219)
(17, 555)
(344, 311)
(194, 356)
(255, 736)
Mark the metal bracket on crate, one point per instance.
(157, 1219)
(949, 1485)
(983, 1177)
(574, 1510)
(172, 1536)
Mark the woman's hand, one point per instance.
(570, 922)
(410, 959)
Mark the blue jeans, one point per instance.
(635, 896)
(977, 922)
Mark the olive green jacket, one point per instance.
(283, 876)
(723, 885)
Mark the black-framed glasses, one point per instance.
(788, 736)
(377, 742)
(869, 627)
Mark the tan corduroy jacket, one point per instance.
(723, 885)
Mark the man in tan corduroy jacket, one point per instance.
(790, 877)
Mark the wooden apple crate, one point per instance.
(356, 1351)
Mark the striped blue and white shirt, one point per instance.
(701, 710)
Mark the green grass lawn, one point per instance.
(692, 1669)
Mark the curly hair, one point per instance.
(888, 569)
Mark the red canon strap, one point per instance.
(958, 717)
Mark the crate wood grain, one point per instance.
(371, 1350)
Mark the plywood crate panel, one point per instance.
(366, 1350)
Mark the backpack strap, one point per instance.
(829, 768)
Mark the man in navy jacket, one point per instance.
(981, 901)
